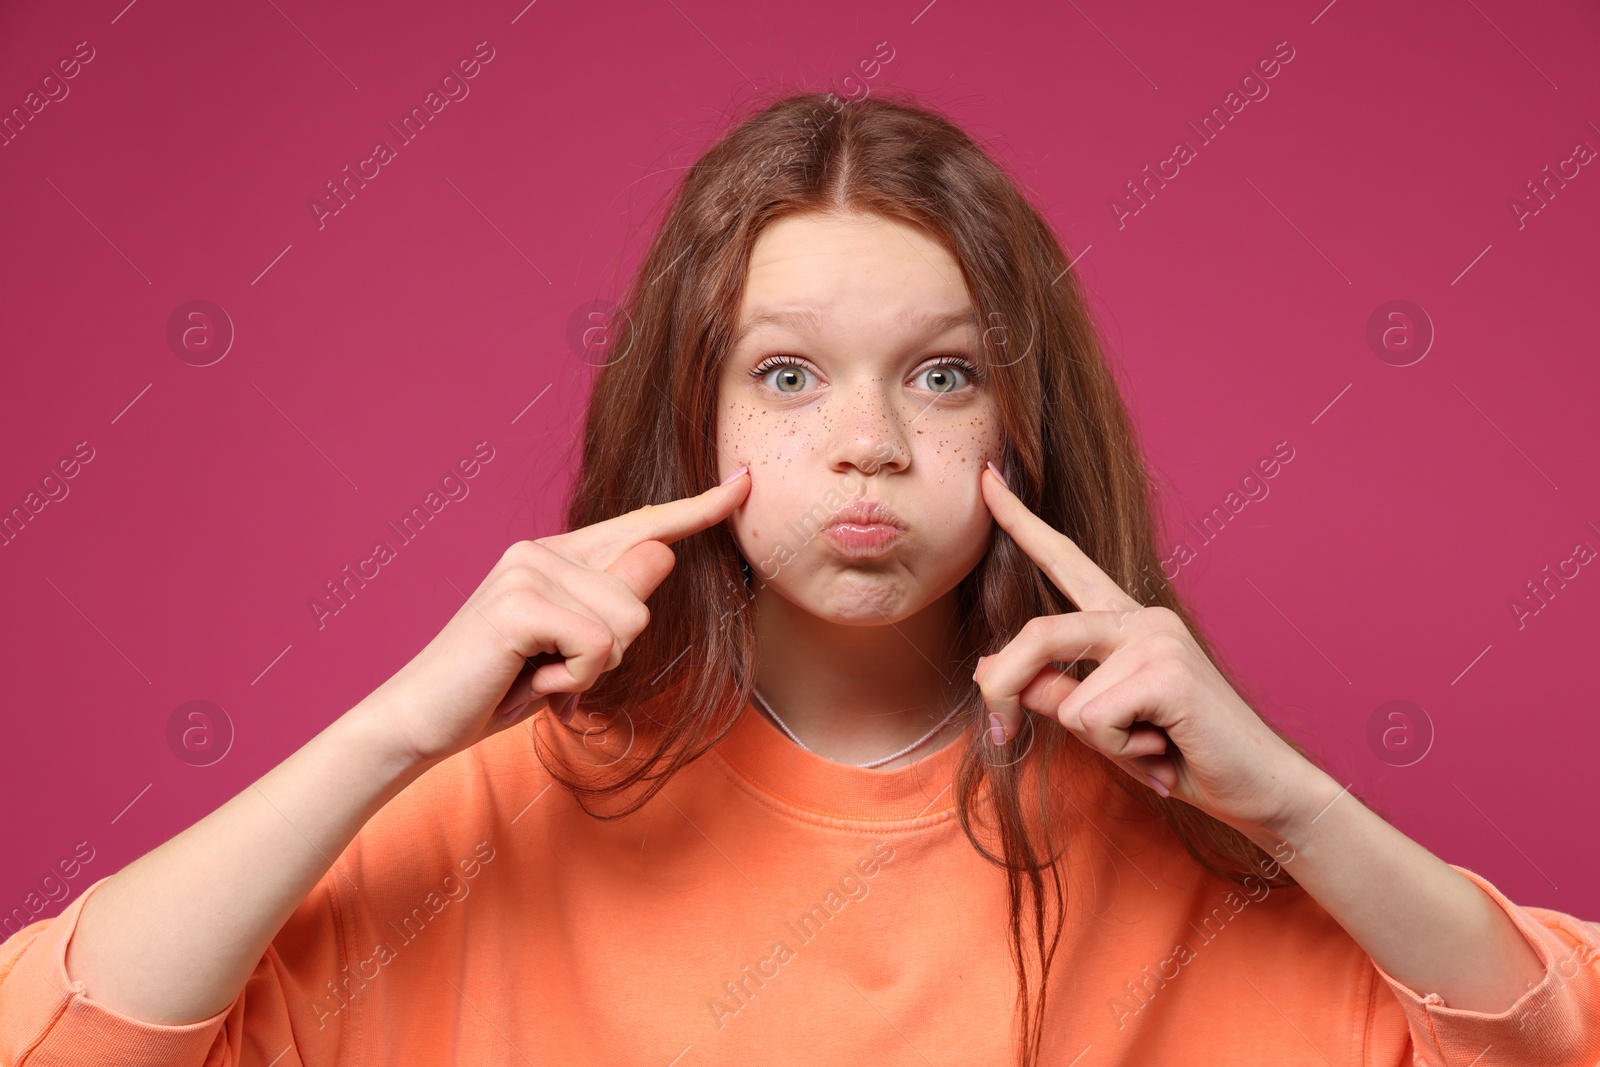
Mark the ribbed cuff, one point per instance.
(1554, 1023)
(46, 1020)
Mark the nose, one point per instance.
(873, 432)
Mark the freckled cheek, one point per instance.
(770, 443)
(773, 446)
(958, 453)
(954, 455)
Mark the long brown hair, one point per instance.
(1071, 454)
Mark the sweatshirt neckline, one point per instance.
(801, 780)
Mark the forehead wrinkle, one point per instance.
(802, 320)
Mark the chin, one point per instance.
(852, 595)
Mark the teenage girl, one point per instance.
(851, 721)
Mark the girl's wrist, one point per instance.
(366, 735)
(1293, 820)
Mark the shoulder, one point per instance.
(449, 818)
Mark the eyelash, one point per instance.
(973, 372)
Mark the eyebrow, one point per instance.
(802, 319)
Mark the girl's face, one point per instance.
(855, 382)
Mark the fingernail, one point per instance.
(734, 475)
(997, 474)
(512, 713)
(567, 708)
(997, 732)
(1157, 786)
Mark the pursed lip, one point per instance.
(865, 512)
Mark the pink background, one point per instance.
(372, 353)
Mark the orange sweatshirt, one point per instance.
(773, 907)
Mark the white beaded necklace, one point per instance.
(875, 763)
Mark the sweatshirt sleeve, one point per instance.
(47, 1020)
(1555, 1023)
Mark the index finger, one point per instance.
(1058, 555)
(610, 539)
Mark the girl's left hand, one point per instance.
(1154, 704)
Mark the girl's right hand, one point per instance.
(574, 600)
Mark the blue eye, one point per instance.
(792, 372)
(965, 369)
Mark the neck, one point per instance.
(854, 694)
